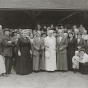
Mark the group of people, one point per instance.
(43, 49)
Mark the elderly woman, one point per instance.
(24, 61)
(62, 52)
(50, 52)
(83, 65)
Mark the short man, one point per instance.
(7, 50)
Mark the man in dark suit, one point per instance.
(80, 42)
(7, 50)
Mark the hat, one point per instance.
(23, 31)
(6, 30)
(76, 52)
(82, 49)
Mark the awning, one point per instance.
(44, 4)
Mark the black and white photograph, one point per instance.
(43, 43)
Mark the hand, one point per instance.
(30, 52)
(42, 47)
(47, 46)
(19, 53)
(16, 40)
(37, 48)
(79, 47)
(60, 48)
(27, 36)
(9, 41)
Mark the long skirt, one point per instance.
(2, 65)
(62, 61)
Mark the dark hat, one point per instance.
(44, 33)
(82, 49)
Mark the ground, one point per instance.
(45, 80)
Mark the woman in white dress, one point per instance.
(50, 52)
(2, 66)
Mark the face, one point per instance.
(51, 26)
(54, 34)
(82, 53)
(44, 35)
(65, 35)
(62, 27)
(31, 36)
(74, 27)
(77, 54)
(79, 36)
(61, 34)
(70, 35)
(24, 34)
(15, 34)
(38, 34)
(7, 33)
(80, 25)
(50, 34)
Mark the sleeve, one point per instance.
(30, 44)
(5, 42)
(43, 45)
(83, 43)
(73, 59)
(66, 44)
(18, 44)
(34, 44)
(75, 44)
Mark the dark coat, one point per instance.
(82, 43)
(72, 47)
(7, 48)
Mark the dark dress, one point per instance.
(24, 62)
(72, 47)
(83, 68)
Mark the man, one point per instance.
(7, 50)
(80, 42)
(38, 53)
(81, 28)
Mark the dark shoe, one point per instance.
(4, 74)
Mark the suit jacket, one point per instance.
(7, 48)
(38, 44)
(63, 43)
(82, 43)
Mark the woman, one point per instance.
(83, 65)
(72, 47)
(50, 52)
(24, 61)
(62, 52)
(2, 63)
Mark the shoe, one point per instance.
(4, 74)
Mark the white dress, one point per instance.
(50, 62)
(2, 65)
